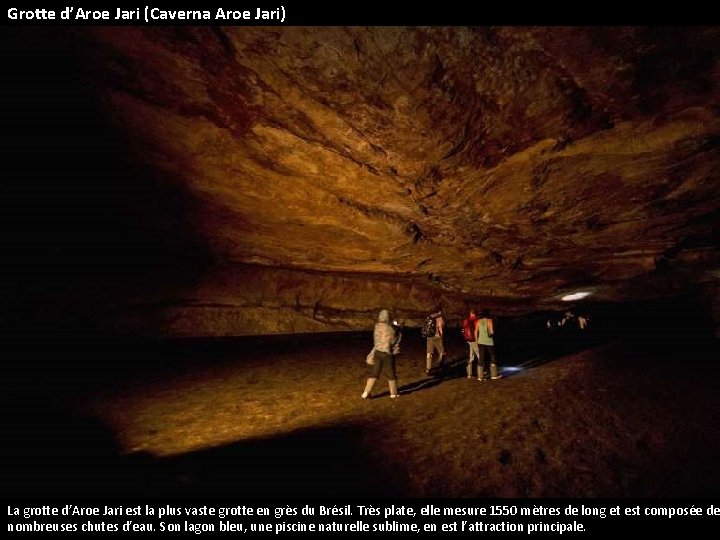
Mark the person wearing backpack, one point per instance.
(486, 344)
(386, 344)
(432, 330)
(470, 333)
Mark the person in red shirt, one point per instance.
(470, 333)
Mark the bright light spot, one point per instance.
(574, 296)
(512, 368)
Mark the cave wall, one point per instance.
(237, 300)
(230, 181)
(247, 300)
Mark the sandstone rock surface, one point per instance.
(502, 166)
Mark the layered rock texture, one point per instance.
(320, 174)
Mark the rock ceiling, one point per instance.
(511, 162)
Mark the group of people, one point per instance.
(478, 333)
(568, 320)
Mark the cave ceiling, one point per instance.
(519, 163)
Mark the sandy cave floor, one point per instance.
(615, 420)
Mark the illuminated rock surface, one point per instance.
(323, 173)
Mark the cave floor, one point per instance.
(615, 420)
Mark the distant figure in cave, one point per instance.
(568, 319)
(470, 333)
(486, 346)
(432, 331)
(386, 342)
(583, 321)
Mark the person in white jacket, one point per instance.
(386, 340)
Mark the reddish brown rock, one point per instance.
(502, 166)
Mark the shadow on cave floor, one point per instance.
(622, 419)
(51, 450)
(512, 359)
(62, 453)
(323, 461)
